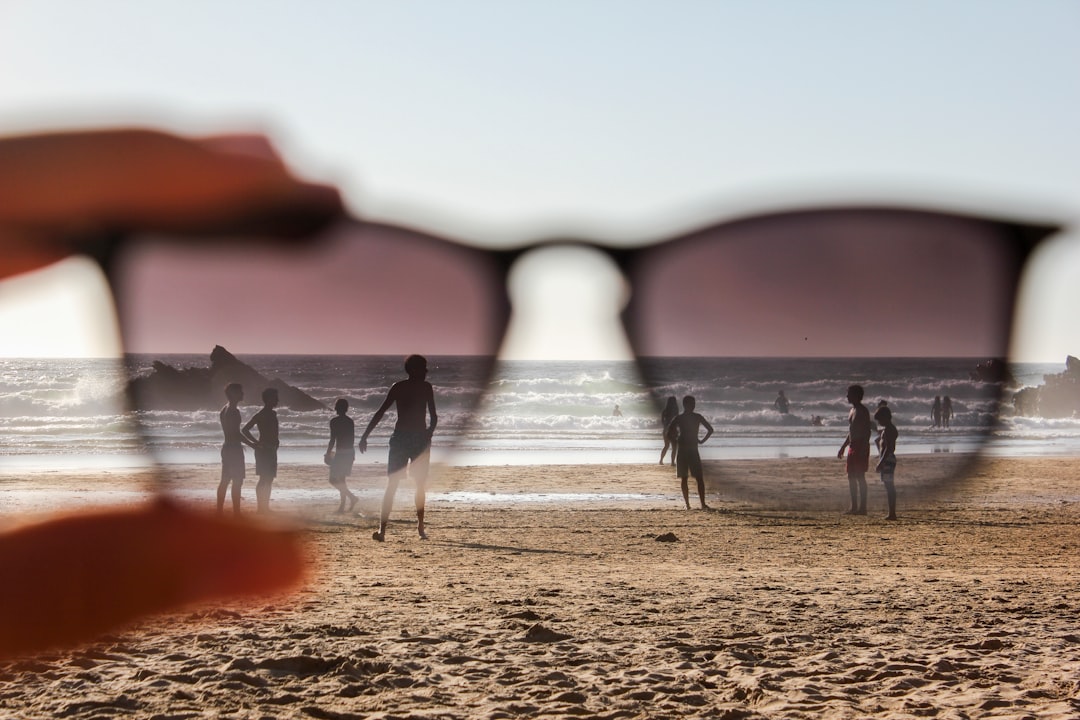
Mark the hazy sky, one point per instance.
(498, 122)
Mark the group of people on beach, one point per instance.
(681, 436)
(409, 452)
(857, 444)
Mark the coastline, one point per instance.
(570, 607)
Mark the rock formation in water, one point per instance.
(169, 388)
(1057, 397)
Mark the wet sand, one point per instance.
(545, 591)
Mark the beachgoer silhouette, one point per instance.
(342, 436)
(684, 430)
(617, 412)
(877, 439)
(669, 413)
(233, 463)
(886, 464)
(410, 444)
(935, 411)
(817, 420)
(266, 447)
(781, 403)
(946, 411)
(857, 443)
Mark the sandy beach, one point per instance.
(552, 591)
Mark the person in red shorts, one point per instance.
(857, 444)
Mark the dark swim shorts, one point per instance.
(688, 462)
(408, 447)
(858, 459)
(233, 464)
(266, 462)
(341, 464)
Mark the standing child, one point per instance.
(684, 430)
(887, 462)
(266, 447)
(342, 435)
(410, 445)
(233, 463)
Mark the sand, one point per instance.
(534, 598)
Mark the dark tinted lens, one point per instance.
(767, 323)
(329, 320)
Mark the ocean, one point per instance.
(62, 413)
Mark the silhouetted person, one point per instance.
(935, 412)
(684, 430)
(946, 411)
(266, 447)
(669, 413)
(342, 437)
(617, 412)
(233, 463)
(857, 443)
(410, 445)
(887, 462)
(781, 403)
(877, 440)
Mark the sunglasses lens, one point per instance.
(768, 322)
(319, 322)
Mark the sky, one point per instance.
(497, 123)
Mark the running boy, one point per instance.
(410, 445)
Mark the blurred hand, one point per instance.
(69, 579)
(58, 189)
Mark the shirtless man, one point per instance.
(266, 447)
(857, 443)
(410, 444)
(233, 463)
(684, 431)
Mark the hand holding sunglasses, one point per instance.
(69, 579)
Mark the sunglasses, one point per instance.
(764, 320)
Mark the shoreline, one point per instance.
(811, 484)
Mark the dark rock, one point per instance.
(169, 388)
(667, 537)
(1057, 397)
(993, 371)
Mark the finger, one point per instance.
(114, 181)
(68, 580)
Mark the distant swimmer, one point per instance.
(616, 412)
(935, 412)
(946, 411)
(781, 403)
(817, 420)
